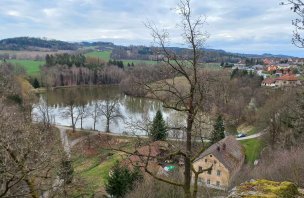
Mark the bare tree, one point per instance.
(183, 93)
(29, 152)
(95, 114)
(71, 112)
(83, 112)
(110, 110)
(188, 98)
(44, 112)
(297, 6)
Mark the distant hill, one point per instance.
(29, 43)
(121, 52)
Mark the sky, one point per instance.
(243, 26)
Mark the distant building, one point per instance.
(269, 82)
(262, 73)
(283, 66)
(286, 80)
(148, 154)
(239, 66)
(271, 68)
(279, 73)
(258, 67)
(268, 61)
(227, 157)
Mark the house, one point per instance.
(239, 66)
(227, 157)
(272, 68)
(284, 66)
(258, 67)
(287, 80)
(269, 82)
(148, 154)
(279, 73)
(267, 61)
(262, 73)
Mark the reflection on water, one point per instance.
(133, 109)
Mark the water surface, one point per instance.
(134, 110)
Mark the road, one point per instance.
(256, 135)
(69, 144)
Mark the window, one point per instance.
(214, 161)
(200, 168)
(209, 172)
(210, 155)
(208, 181)
(218, 173)
(217, 183)
(206, 160)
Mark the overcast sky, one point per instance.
(244, 26)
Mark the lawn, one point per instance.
(32, 67)
(93, 163)
(95, 169)
(253, 147)
(105, 55)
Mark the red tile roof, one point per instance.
(288, 78)
(269, 81)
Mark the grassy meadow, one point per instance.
(253, 148)
(105, 55)
(32, 67)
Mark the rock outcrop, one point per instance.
(266, 188)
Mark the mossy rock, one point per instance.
(265, 188)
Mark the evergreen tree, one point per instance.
(121, 180)
(158, 130)
(36, 83)
(218, 130)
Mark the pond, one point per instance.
(133, 111)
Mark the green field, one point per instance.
(105, 55)
(253, 148)
(32, 67)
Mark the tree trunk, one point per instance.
(195, 186)
(187, 173)
(72, 117)
(74, 128)
(108, 126)
(94, 126)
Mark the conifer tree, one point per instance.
(121, 180)
(36, 83)
(158, 130)
(218, 130)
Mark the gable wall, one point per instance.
(224, 177)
